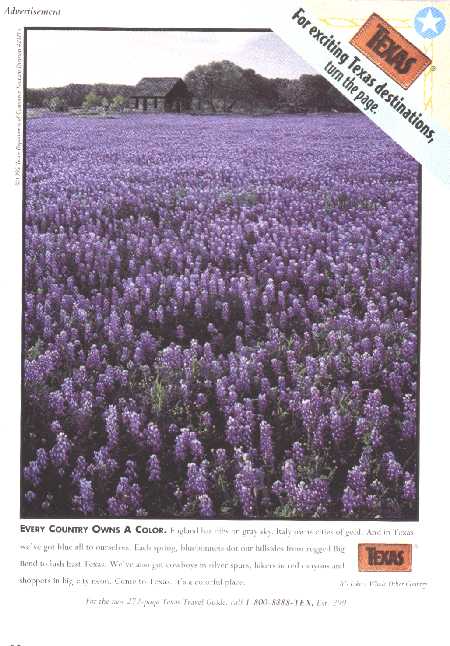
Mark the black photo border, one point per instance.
(23, 515)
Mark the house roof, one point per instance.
(156, 86)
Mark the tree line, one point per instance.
(78, 95)
(219, 86)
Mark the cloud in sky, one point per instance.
(60, 57)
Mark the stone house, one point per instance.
(164, 94)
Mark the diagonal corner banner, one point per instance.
(390, 105)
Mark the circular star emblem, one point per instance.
(429, 22)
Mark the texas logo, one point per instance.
(390, 51)
(384, 557)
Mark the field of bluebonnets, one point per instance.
(220, 318)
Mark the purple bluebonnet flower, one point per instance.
(391, 466)
(112, 426)
(34, 469)
(152, 437)
(187, 445)
(103, 466)
(266, 444)
(248, 481)
(84, 502)
(197, 479)
(205, 506)
(127, 499)
(153, 468)
(409, 487)
(30, 496)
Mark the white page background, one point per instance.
(31, 619)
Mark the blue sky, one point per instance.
(61, 57)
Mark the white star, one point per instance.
(429, 22)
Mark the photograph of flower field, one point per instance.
(220, 318)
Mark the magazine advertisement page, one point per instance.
(225, 322)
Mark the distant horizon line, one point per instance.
(275, 78)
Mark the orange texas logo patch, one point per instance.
(384, 557)
(390, 51)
